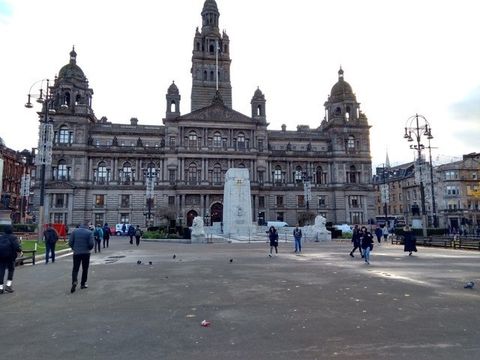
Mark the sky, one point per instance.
(400, 57)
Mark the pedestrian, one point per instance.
(9, 250)
(138, 235)
(409, 240)
(50, 236)
(273, 238)
(98, 236)
(81, 242)
(367, 243)
(131, 233)
(385, 232)
(379, 234)
(297, 235)
(106, 235)
(356, 241)
(124, 229)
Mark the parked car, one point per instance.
(344, 227)
(118, 229)
(276, 224)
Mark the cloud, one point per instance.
(5, 9)
(468, 109)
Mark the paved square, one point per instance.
(320, 305)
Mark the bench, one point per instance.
(473, 244)
(27, 256)
(431, 241)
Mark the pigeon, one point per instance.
(174, 256)
(231, 260)
(150, 263)
(138, 262)
(469, 285)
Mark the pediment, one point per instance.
(216, 113)
(65, 185)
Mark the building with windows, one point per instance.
(116, 173)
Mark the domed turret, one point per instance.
(258, 105)
(72, 70)
(341, 90)
(173, 101)
(173, 89)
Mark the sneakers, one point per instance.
(9, 289)
(84, 286)
(74, 287)
(270, 255)
(1, 291)
(351, 255)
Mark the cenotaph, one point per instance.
(237, 203)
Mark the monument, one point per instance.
(318, 231)
(198, 232)
(237, 203)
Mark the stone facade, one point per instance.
(100, 170)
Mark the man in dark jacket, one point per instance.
(356, 241)
(81, 242)
(51, 237)
(131, 233)
(9, 248)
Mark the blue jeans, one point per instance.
(298, 245)
(49, 249)
(366, 253)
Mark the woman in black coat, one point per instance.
(273, 237)
(9, 249)
(409, 240)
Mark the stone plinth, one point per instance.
(237, 203)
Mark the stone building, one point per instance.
(133, 172)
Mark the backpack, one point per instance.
(138, 232)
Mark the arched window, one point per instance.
(217, 140)
(211, 76)
(298, 174)
(192, 139)
(77, 99)
(62, 170)
(192, 174)
(198, 46)
(320, 176)
(66, 99)
(241, 141)
(63, 135)
(259, 110)
(127, 173)
(212, 49)
(102, 173)
(172, 106)
(217, 174)
(338, 111)
(278, 175)
(351, 143)
(151, 171)
(205, 75)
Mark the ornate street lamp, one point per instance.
(150, 188)
(417, 127)
(45, 141)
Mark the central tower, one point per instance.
(210, 49)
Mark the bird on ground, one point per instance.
(231, 260)
(138, 262)
(174, 256)
(150, 263)
(469, 285)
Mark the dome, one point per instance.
(173, 89)
(342, 89)
(210, 6)
(72, 70)
(258, 93)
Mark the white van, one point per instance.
(276, 224)
(118, 229)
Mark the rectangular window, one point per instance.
(58, 218)
(261, 202)
(171, 176)
(171, 200)
(99, 201)
(124, 201)
(356, 217)
(354, 201)
(322, 201)
(124, 218)
(280, 216)
(260, 145)
(260, 177)
(99, 219)
(59, 200)
(300, 200)
(452, 190)
(451, 175)
(171, 141)
(279, 201)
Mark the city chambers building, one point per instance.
(136, 173)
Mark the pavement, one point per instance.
(321, 304)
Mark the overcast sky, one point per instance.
(400, 57)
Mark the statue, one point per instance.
(198, 231)
(318, 230)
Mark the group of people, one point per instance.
(133, 232)
(273, 240)
(362, 240)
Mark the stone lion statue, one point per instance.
(197, 226)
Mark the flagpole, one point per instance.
(216, 64)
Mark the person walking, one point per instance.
(131, 233)
(106, 235)
(273, 238)
(385, 233)
(367, 243)
(9, 250)
(124, 229)
(81, 242)
(356, 241)
(98, 236)
(297, 235)
(409, 240)
(379, 234)
(138, 235)
(50, 236)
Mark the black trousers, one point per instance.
(78, 259)
(106, 240)
(4, 265)
(355, 247)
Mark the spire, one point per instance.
(73, 56)
(340, 73)
(387, 161)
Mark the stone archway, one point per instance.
(190, 215)
(216, 213)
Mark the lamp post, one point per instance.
(150, 192)
(434, 207)
(416, 127)
(385, 195)
(45, 142)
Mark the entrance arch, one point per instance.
(216, 212)
(190, 215)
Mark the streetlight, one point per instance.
(45, 142)
(434, 207)
(385, 196)
(416, 127)
(150, 191)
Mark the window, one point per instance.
(62, 170)
(354, 201)
(124, 201)
(171, 176)
(351, 143)
(261, 202)
(300, 200)
(356, 217)
(474, 176)
(217, 174)
(63, 135)
(352, 175)
(451, 175)
(171, 141)
(99, 201)
(280, 216)
(322, 201)
(452, 190)
(60, 200)
(298, 175)
(241, 142)
(58, 218)
(279, 201)
(127, 173)
(217, 140)
(171, 200)
(192, 174)
(278, 175)
(260, 177)
(102, 173)
(99, 219)
(192, 139)
(124, 218)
